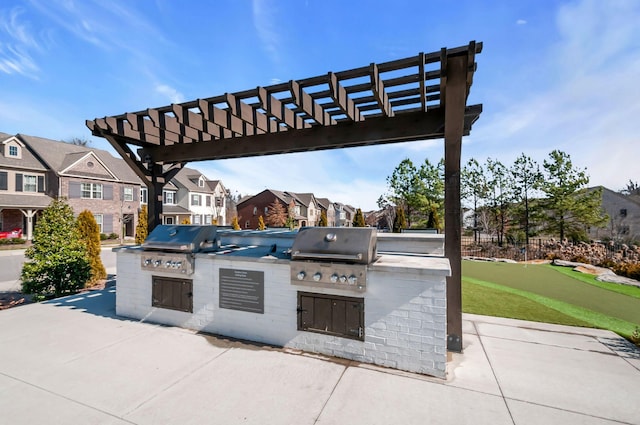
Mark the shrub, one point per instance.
(142, 230)
(12, 241)
(261, 225)
(113, 236)
(103, 237)
(57, 259)
(234, 223)
(90, 235)
(635, 336)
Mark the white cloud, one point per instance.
(16, 42)
(521, 22)
(172, 94)
(589, 109)
(265, 23)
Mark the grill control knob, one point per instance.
(178, 264)
(301, 275)
(343, 279)
(147, 262)
(317, 277)
(167, 264)
(352, 280)
(157, 263)
(334, 278)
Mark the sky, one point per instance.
(552, 75)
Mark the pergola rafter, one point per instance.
(414, 98)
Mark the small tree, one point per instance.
(277, 214)
(58, 260)
(90, 235)
(261, 225)
(234, 223)
(142, 227)
(399, 222)
(186, 220)
(358, 220)
(323, 219)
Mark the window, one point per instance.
(219, 201)
(197, 219)
(266, 210)
(128, 194)
(29, 183)
(91, 191)
(143, 195)
(255, 210)
(168, 220)
(168, 198)
(196, 200)
(200, 182)
(247, 224)
(207, 219)
(331, 314)
(623, 212)
(208, 200)
(13, 151)
(99, 220)
(4, 184)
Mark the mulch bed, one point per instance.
(16, 298)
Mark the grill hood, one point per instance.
(181, 238)
(345, 244)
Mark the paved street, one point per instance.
(11, 265)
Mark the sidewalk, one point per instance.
(72, 361)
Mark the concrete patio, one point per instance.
(72, 360)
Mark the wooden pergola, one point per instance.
(415, 98)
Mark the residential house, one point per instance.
(250, 208)
(344, 214)
(328, 208)
(624, 217)
(22, 186)
(36, 170)
(192, 198)
(308, 208)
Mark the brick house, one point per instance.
(329, 209)
(252, 207)
(90, 179)
(23, 184)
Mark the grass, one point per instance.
(632, 291)
(548, 294)
(491, 301)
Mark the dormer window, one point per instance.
(201, 182)
(13, 151)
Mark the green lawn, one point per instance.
(548, 294)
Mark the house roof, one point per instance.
(304, 198)
(174, 209)
(28, 161)
(60, 155)
(24, 201)
(324, 203)
(185, 178)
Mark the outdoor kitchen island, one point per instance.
(384, 304)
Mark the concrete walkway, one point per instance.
(73, 361)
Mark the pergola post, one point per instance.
(155, 197)
(455, 100)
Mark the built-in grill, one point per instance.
(170, 248)
(333, 257)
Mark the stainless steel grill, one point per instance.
(170, 248)
(333, 257)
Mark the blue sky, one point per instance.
(552, 75)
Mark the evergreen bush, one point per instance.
(142, 229)
(90, 235)
(234, 223)
(57, 261)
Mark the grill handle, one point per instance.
(325, 256)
